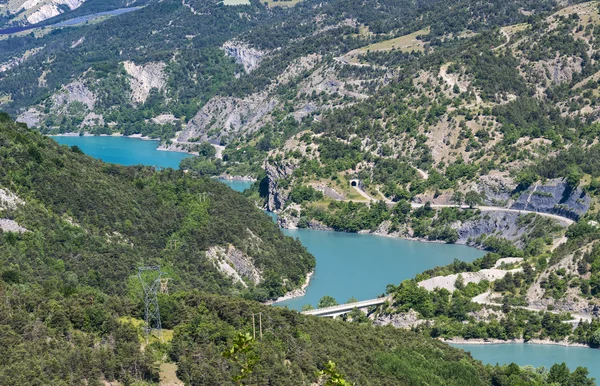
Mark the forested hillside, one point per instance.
(74, 231)
(93, 223)
(430, 101)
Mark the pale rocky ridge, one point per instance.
(144, 78)
(234, 264)
(10, 201)
(228, 116)
(75, 91)
(36, 11)
(247, 56)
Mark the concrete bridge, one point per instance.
(341, 309)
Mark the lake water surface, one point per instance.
(124, 151)
(352, 264)
(536, 355)
(360, 265)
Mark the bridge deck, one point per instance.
(343, 308)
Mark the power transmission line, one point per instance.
(151, 311)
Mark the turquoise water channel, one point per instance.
(536, 355)
(124, 151)
(355, 265)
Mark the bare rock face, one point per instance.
(572, 301)
(7, 225)
(555, 197)
(30, 117)
(75, 91)
(501, 224)
(144, 78)
(248, 57)
(496, 187)
(560, 69)
(39, 10)
(9, 200)
(91, 120)
(277, 196)
(405, 320)
(223, 116)
(235, 264)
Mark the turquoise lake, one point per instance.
(536, 355)
(124, 151)
(352, 264)
(237, 185)
(360, 266)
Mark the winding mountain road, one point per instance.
(483, 208)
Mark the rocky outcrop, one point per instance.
(7, 225)
(572, 300)
(277, 195)
(560, 69)
(288, 221)
(14, 62)
(449, 282)
(144, 78)
(227, 116)
(31, 117)
(496, 187)
(75, 91)
(36, 11)
(91, 120)
(555, 197)
(164, 119)
(246, 56)
(405, 320)
(9, 200)
(500, 224)
(235, 264)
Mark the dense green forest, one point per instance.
(87, 217)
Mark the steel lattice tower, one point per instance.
(151, 312)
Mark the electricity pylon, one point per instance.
(151, 312)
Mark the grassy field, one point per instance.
(168, 376)
(271, 3)
(513, 29)
(406, 43)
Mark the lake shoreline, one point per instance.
(285, 225)
(298, 292)
(86, 134)
(230, 177)
(548, 342)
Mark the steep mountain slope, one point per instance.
(88, 217)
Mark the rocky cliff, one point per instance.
(36, 11)
(144, 78)
(228, 116)
(234, 264)
(276, 171)
(555, 197)
(248, 57)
